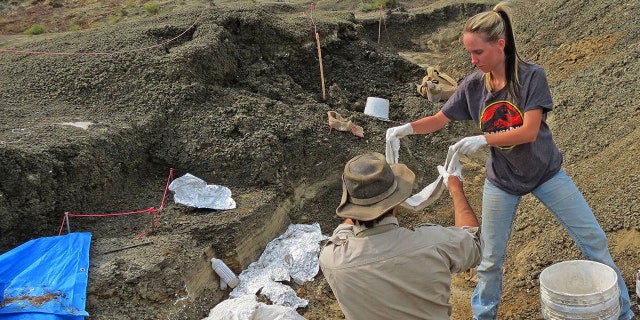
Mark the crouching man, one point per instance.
(379, 270)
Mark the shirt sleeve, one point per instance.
(458, 106)
(474, 231)
(536, 91)
(466, 252)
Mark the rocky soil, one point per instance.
(98, 110)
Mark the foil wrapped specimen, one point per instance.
(291, 256)
(194, 192)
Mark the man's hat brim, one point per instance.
(404, 178)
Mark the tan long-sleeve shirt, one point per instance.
(389, 272)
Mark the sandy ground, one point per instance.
(232, 93)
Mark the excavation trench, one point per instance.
(237, 102)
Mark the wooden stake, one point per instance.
(324, 97)
(380, 24)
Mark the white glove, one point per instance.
(392, 138)
(391, 151)
(470, 145)
(399, 131)
(455, 171)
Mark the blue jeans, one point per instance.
(561, 196)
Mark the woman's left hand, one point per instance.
(470, 145)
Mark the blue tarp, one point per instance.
(46, 278)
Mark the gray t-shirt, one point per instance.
(515, 169)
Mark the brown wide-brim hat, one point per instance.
(371, 187)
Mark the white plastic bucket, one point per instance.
(377, 107)
(579, 289)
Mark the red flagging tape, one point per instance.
(152, 211)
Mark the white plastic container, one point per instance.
(377, 107)
(226, 275)
(579, 289)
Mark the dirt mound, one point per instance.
(232, 94)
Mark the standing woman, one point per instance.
(509, 98)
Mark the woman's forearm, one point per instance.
(430, 124)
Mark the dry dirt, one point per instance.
(231, 92)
